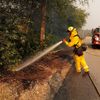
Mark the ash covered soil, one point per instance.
(14, 85)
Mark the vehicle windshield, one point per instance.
(97, 30)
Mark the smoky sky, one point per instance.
(93, 19)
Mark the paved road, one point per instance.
(77, 87)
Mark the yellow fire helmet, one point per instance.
(70, 28)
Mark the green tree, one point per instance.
(63, 13)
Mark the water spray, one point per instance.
(37, 57)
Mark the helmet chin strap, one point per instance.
(70, 33)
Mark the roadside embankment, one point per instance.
(39, 81)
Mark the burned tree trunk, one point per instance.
(43, 21)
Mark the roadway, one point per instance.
(77, 87)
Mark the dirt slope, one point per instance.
(22, 84)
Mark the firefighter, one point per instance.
(76, 42)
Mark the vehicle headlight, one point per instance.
(97, 38)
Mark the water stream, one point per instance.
(37, 57)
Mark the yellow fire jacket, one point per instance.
(74, 39)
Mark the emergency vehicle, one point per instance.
(95, 37)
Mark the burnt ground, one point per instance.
(41, 69)
(27, 78)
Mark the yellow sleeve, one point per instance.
(72, 42)
(66, 42)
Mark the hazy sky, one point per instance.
(93, 19)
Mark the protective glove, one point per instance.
(64, 40)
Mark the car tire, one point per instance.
(93, 46)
